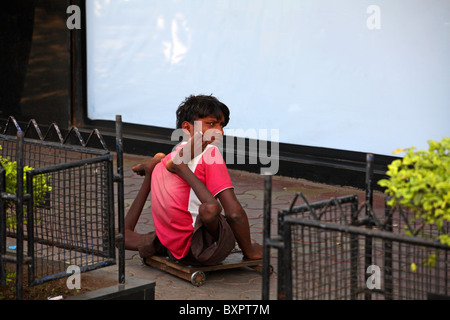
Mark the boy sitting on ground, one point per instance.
(189, 187)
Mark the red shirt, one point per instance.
(174, 203)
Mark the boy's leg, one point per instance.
(132, 239)
(207, 250)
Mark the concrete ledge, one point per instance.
(133, 289)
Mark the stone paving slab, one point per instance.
(237, 284)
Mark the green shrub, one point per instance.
(40, 187)
(421, 182)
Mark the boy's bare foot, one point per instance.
(147, 166)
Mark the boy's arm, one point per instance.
(210, 207)
(238, 220)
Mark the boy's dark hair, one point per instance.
(201, 106)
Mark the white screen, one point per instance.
(325, 73)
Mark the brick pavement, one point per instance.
(237, 284)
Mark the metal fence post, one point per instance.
(19, 217)
(369, 203)
(286, 263)
(30, 225)
(2, 228)
(354, 254)
(120, 200)
(388, 278)
(266, 237)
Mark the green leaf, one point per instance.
(420, 181)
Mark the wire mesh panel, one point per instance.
(38, 154)
(329, 261)
(330, 253)
(73, 225)
(418, 272)
(320, 264)
(68, 198)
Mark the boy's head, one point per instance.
(199, 107)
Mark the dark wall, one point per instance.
(35, 65)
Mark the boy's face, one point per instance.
(210, 127)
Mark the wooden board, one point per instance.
(196, 274)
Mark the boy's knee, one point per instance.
(209, 211)
(235, 216)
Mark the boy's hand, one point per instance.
(213, 137)
(257, 252)
(194, 146)
(147, 167)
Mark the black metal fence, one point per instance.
(61, 213)
(338, 249)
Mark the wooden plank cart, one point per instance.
(196, 274)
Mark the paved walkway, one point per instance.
(238, 284)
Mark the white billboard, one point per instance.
(368, 76)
